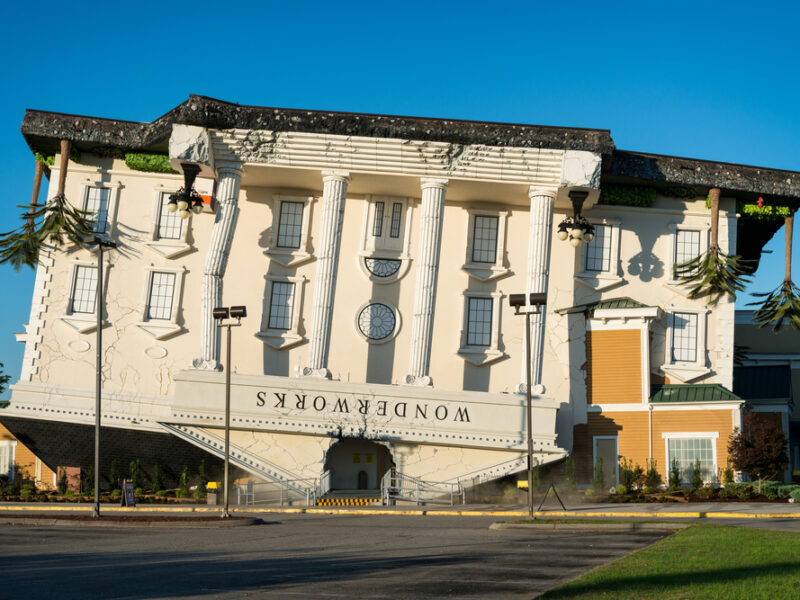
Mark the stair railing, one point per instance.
(397, 486)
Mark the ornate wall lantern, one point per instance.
(187, 200)
(576, 227)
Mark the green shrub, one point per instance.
(62, 481)
(622, 489)
(158, 484)
(116, 492)
(136, 473)
(183, 481)
(113, 475)
(649, 489)
(138, 491)
(26, 493)
(697, 475)
(675, 476)
(795, 495)
(727, 474)
(69, 493)
(627, 195)
(631, 476)
(652, 478)
(588, 492)
(200, 492)
(154, 163)
(785, 491)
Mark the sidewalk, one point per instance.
(706, 510)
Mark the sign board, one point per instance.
(128, 495)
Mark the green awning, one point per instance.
(609, 303)
(692, 392)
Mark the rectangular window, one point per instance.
(290, 224)
(684, 337)
(7, 458)
(687, 246)
(484, 239)
(377, 226)
(598, 251)
(397, 215)
(162, 290)
(479, 322)
(97, 205)
(280, 305)
(170, 224)
(686, 451)
(84, 289)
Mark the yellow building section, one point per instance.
(614, 366)
(28, 468)
(718, 421)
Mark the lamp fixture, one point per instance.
(186, 200)
(576, 228)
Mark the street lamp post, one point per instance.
(531, 305)
(221, 315)
(101, 244)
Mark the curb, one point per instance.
(588, 527)
(189, 524)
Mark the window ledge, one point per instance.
(480, 357)
(678, 287)
(485, 271)
(288, 257)
(81, 322)
(168, 248)
(280, 341)
(684, 371)
(159, 329)
(598, 281)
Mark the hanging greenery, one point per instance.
(154, 163)
(47, 160)
(781, 305)
(627, 195)
(714, 273)
(54, 223)
(762, 212)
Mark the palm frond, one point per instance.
(714, 274)
(780, 306)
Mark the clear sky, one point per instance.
(718, 81)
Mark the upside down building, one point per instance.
(376, 256)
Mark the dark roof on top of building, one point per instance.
(607, 303)
(691, 392)
(763, 382)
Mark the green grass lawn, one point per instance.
(704, 561)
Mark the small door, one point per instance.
(605, 447)
(362, 480)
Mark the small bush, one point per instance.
(727, 474)
(652, 478)
(622, 490)
(649, 489)
(697, 475)
(785, 491)
(116, 492)
(138, 491)
(158, 484)
(62, 481)
(162, 493)
(675, 476)
(68, 493)
(795, 495)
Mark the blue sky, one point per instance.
(708, 80)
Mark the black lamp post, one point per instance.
(186, 200)
(528, 306)
(221, 315)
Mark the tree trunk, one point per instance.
(37, 185)
(62, 171)
(713, 196)
(789, 227)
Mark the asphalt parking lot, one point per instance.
(314, 556)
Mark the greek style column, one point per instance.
(229, 177)
(430, 241)
(330, 233)
(539, 236)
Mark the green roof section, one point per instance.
(606, 304)
(692, 392)
(763, 382)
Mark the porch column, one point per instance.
(430, 238)
(539, 236)
(330, 232)
(229, 177)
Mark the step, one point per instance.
(347, 501)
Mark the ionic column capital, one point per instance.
(433, 182)
(229, 168)
(534, 191)
(342, 176)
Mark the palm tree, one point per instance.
(54, 223)
(713, 273)
(783, 303)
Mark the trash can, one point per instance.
(213, 493)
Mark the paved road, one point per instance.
(309, 556)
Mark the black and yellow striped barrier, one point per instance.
(347, 501)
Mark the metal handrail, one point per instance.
(397, 486)
(276, 492)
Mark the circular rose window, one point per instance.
(376, 321)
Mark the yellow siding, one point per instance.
(25, 463)
(614, 366)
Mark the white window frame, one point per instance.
(480, 270)
(673, 229)
(686, 371)
(694, 435)
(601, 280)
(168, 248)
(397, 322)
(482, 355)
(161, 328)
(369, 248)
(12, 468)
(113, 200)
(289, 257)
(594, 453)
(278, 338)
(82, 322)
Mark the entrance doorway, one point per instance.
(357, 464)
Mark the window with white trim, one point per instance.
(170, 224)
(383, 256)
(684, 337)
(687, 246)
(162, 292)
(685, 451)
(84, 290)
(280, 322)
(688, 241)
(480, 336)
(96, 202)
(290, 224)
(598, 251)
(486, 241)
(281, 304)
(7, 451)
